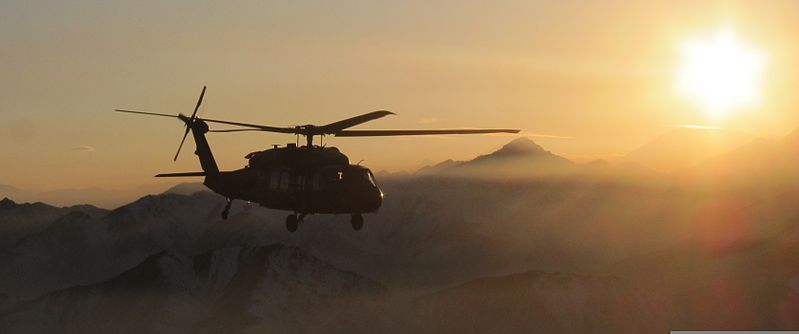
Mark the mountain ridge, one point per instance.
(685, 147)
(273, 286)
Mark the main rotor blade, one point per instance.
(181, 143)
(255, 127)
(199, 101)
(350, 122)
(145, 113)
(381, 133)
(235, 130)
(183, 174)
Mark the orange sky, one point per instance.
(599, 73)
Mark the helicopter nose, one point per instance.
(377, 199)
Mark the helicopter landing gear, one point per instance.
(356, 220)
(293, 222)
(226, 211)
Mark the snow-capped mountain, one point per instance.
(270, 288)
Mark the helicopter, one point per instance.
(303, 180)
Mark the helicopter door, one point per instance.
(262, 187)
(273, 183)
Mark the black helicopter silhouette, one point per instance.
(304, 180)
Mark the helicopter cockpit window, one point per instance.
(370, 177)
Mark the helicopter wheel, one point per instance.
(356, 221)
(292, 223)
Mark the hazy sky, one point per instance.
(599, 73)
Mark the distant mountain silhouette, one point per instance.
(792, 138)
(100, 197)
(439, 167)
(521, 157)
(681, 148)
(187, 188)
(21, 219)
(761, 163)
(386, 174)
(519, 147)
(11, 209)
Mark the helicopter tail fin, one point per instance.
(198, 128)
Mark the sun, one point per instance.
(720, 73)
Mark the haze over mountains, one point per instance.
(685, 147)
(675, 151)
(517, 240)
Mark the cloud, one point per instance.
(82, 148)
(428, 120)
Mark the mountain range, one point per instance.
(686, 147)
(107, 198)
(268, 288)
(446, 253)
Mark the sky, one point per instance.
(584, 79)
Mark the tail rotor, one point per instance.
(189, 122)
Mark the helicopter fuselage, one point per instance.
(305, 180)
(301, 179)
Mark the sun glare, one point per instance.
(720, 73)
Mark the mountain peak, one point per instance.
(187, 188)
(519, 147)
(6, 202)
(792, 137)
(521, 155)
